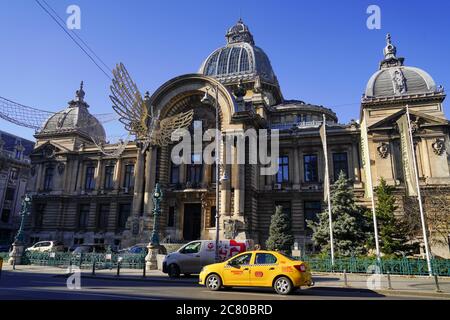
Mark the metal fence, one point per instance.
(403, 266)
(85, 260)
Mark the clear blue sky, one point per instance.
(321, 51)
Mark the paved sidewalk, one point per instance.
(401, 285)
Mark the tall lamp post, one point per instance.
(151, 261)
(15, 256)
(207, 100)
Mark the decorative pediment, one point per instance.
(418, 120)
(48, 150)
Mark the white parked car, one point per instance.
(192, 257)
(46, 246)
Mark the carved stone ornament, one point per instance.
(61, 168)
(383, 150)
(229, 229)
(399, 82)
(438, 147)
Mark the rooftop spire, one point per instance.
(80, 93)
(390, 55)
(239, 33)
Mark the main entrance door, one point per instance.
(192, 221)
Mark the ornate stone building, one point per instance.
(83, 195)
(14, 174)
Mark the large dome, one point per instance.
(74, 119)
(395, 79)
(240, 59)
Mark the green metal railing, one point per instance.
(85, 260)
(403, 266)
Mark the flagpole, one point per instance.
(327, 177)
(372, 198)
(419, 195)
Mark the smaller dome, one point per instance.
(74, 119)
(239, 59)
(395, 79)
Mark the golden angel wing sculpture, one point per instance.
(128, 102)
(136, 116)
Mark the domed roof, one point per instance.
(395, 79)
(74, 119)
(239, 59)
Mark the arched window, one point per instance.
(223, 61)
(212, 63)
(244, 65)
(234, 60)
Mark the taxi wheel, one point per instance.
(213, 282)
(174, 271)
(283, 285)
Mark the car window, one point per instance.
(45, 244)
(265, 258)
(192, 248)
(241, 260)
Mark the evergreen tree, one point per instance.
(392, 230)
(280, 232)
(350, 225)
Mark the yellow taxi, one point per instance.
(257, 269)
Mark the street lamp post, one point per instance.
(151, 261)
(15, 256)
(206, 100)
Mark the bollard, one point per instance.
(389, 281)
(143, 271)
(93, 268)
(1, 266)
(345, 278)
(118, 269)
(436, 281)
(14, 264)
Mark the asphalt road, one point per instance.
(42, 286)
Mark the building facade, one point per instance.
(14, 173)
(84, 195)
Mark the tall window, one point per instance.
(48, 178)
(128, 181)
(83, 215)
(14, 174)
(174, 174)
(10, 194)
(195, 170)
(340, 164)
(89, 182)
(124, 213)
(171, 217)
(39, 215)
(311, 211)
(109, 178)
(283, 169)
(212, 217)
(310, 167)
(102, 216)
(213, 173)
(6, 213)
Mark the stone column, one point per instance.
(355, 160)
(138, 183)
(296, 177)
(98, 177)
(118, 174)
(225, 193)
(238, 183)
